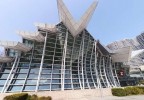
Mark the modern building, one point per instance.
(136, 63)
(59, 57)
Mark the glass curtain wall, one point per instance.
(69, 63)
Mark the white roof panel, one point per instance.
(32, 36)
(75, 27)
(14, 45)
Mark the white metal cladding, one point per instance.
(32, 36)
(136, 53)
(73, 26)
(14, 45)
(49, 27)
(121, 55)
(5, 59)
(137, 46)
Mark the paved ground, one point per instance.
(139, 97)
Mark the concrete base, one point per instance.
(70, 94)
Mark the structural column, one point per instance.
(41, 65)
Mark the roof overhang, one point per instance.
(136, 53)
(48, 27)
(32, 36)
(14, 45)
(121, 55)
(5, 59)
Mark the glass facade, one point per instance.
(61, 62)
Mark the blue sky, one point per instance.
(113, 19)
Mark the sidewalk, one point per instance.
(136, 97)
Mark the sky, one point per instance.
(112, 20)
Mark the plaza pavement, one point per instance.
(136, 97)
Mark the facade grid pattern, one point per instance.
(61, 62)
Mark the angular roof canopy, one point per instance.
(32, 36)
(48, 27)
(121, 55)
(5, 59)
(14, 45)
(75, 27)
(136, 53)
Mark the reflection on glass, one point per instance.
(2, 82)
(44, 87)
(32, 82)
(16, 88)
(29, 88)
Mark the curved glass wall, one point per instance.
(62, 62)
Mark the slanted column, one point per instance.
(63, 62)
(82, 60)
(96, 71)
(92, 52)
(104, 67)
(113, 79)
(9, 76)
(41, 65)
(79, 74)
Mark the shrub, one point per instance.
(133, 91)
(118, 92)
(142, 88)
(45, 98)
(34, 97)
(25, 96)
(20, 96)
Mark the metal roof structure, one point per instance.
(37, 36)
(5, 59)
(121, 55)
(14, 45)
(49, 27)
(75, 27)
(136, 52)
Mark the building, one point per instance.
(136, 62)
(59, 57)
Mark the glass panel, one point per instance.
(29, 88)
(18, 81)
(22, 70)
(56, 81)
(1, 89)
(67, 86)
(45, 81)
(56, 86)
(67, 81)
(67, 76)
(34, 70)
(45, 76)
(16, 88)
(6, 70)
(56, 76)
(56, 71)
(91, 84)
(33, 82)
(47, 71)
(76, 86)
(44, 87)
(4, 76)
(2, 82)
(33, 76)
(20, 76)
